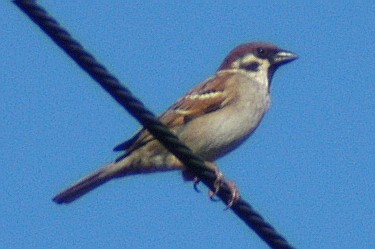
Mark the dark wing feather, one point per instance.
(125, 145)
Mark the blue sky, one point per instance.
(308, 169)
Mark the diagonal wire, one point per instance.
(136, 108)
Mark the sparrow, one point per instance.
(212, 119)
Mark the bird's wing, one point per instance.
(208, 97)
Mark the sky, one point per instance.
(308, 169)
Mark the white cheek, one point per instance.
(262, 76)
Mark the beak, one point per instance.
(283, 57)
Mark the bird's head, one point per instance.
(259, 59)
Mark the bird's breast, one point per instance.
(215, 134)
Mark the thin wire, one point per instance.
(136, 108)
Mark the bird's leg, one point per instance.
(218, 181)
(235, 195)
(189, 176)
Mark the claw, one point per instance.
(188, 176)
(217, 184)
(219, 180)
(196, 181)
(235, 194)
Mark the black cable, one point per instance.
(136, 108)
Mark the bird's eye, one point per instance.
(254, 66)
(261, 52)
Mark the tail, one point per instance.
(87, 184)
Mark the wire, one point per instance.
(136, 108)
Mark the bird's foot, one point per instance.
(188, 176)
(219, 181)
(235, 194)
(217, 184)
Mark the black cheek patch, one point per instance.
(254, 66)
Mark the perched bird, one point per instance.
(212, 119)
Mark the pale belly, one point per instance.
(214, 135)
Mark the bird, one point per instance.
(213, 119)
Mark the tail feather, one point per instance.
(85, 185)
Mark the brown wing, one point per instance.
(208, 97)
